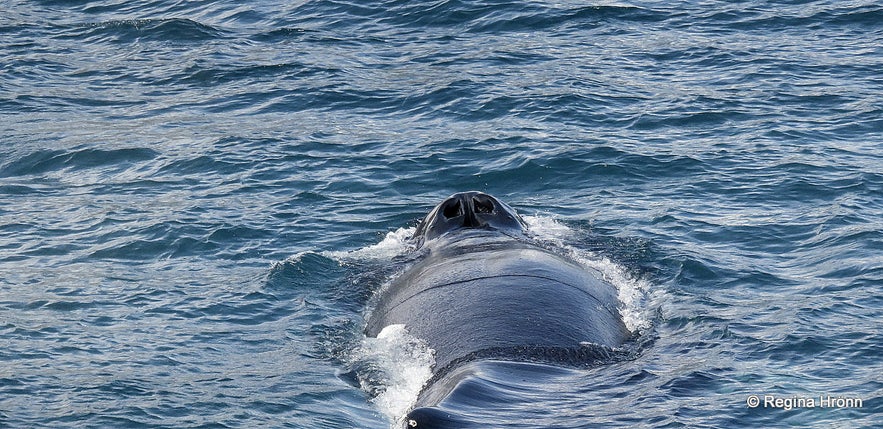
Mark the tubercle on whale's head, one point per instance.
(469, 211)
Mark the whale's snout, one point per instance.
(468, 210)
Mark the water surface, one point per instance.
(198, 199)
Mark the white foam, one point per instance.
(547, 229)
(293, 259)
(631, 291)
(395, 243)
(403, 365)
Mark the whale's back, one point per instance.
(507, 301)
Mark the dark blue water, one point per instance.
(198, 199)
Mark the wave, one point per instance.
(174, 30)
(45, 161)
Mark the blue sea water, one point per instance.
(198, 200)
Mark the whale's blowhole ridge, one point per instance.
(466, 211)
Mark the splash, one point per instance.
(631, 291)
(394, 366)
(399, 365)
(547, 229)
(395, 243)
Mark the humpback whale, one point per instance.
(484, 291)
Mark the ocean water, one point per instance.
(198, 200)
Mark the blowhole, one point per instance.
(483, 205)
(453, 210)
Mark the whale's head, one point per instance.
(469, 211)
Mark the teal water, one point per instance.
(198, 199)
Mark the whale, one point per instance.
(482, 290)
